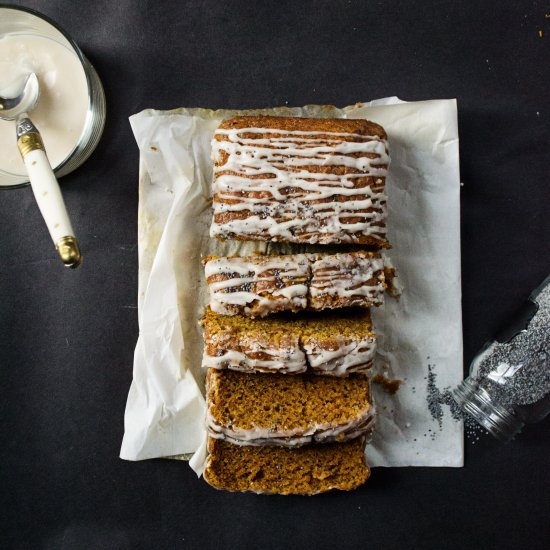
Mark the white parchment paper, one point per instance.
(165, 409)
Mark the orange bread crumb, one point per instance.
(278, 470)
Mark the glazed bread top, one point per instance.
(300, 180)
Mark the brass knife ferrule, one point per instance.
(29, 142)
(69, 251)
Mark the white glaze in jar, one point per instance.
(61, 112)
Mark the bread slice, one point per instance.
(302, 180)
(339, 342)
(351, 279)
(261, 409)
(278, 470)
(336, 344)
(259, 285)
(250, 345)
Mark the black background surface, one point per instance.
(67, 338)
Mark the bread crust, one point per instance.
(340, 125)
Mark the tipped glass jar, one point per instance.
(509, 381)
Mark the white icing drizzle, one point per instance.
(346, 356)
(287, 361)
(353, 356)
(296, 437)
(271, 183)
(346, 277)
(355, 278)
(258, 285)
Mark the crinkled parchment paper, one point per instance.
(165, 408)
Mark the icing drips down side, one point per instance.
(296, 437)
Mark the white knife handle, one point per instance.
(49, 199)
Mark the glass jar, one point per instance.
(509, 381)
(21, 23)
